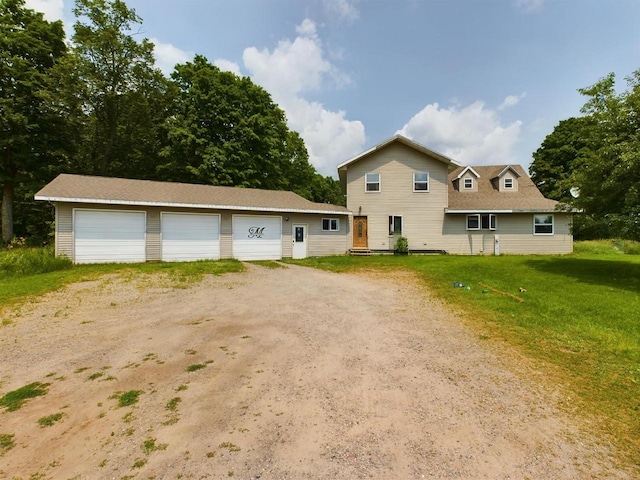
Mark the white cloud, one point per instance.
(293, 69)
(529, 6)
(472, 135)
(341, 9)
(511, 100)
(228, 66)
(52, 9)
(167, 55)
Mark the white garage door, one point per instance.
(257, 237)
(187, 237)
(102, 236)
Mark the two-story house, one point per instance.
(400, 188)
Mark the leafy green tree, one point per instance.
(116, 96)
(554, 162)
(607, 173)
(227, 131)
(29, 48)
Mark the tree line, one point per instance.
(98, 105)
(591, 163)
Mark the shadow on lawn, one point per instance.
(622, 274)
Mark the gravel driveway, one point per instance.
(302, 374)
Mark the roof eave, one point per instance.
(106, 201)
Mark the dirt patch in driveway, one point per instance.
(273, 374)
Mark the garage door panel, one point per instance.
(257, 237)
(109, 236)
(189, 237)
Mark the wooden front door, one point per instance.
(360, 232)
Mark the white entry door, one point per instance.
(299, 241)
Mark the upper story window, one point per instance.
(508, 183)
(330, 224)
(481, 222)
(372, 182)
(543, 224)
(468, 183)
(421, 182)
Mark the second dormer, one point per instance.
(506, 180)
(467, 180)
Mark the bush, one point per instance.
(31, 261)
(402, 245)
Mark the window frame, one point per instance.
(367, 183)
(552, 224)
(392, 225)
(511, 183)
(464, 183)
(426, 182)
(491, 221)
(331, 222)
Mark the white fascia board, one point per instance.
(448, 210)
(187, 205)
(466, 169)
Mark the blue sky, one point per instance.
(482, 81)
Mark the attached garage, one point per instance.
(101, 236)
(257, 237)
(190, 236)
(101, 219)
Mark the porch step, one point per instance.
(360, 252)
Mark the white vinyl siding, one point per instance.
(189, 237)
(257, 237)
(106, 236)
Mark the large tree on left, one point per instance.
(29, 48)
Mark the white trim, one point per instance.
(509, 167)
(466, 169)
(471, 211)
(553, 224)
(504, 183)
(366, 183)
(464, 183)
(141, 203)
(428, 181)
(337, 229)
(479, 216)
(306, 239)
(401, 217)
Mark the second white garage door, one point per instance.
(257, 237)
(190, 236)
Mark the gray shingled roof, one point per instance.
(526, 199)
(120, 191)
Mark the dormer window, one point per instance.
(468, 183)
(372, 182)
(508, 183)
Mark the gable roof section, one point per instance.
(465, 170)
(342, 168)
(120, 191)
(488, 199)
(504, 170)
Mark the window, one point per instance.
(330, 225)
(395, 225)
(508, 183)
(372, 182)
(543, 224)
(421, 182)
(468, 183)
(485, 221)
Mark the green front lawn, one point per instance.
(580, 316)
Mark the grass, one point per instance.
(25, 272)
(580, 317)
(6, 442)
(12, 401)
(195, 367)
(49, 420)
(128, 398)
